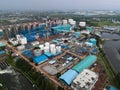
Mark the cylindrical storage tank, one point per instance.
(53, 51)
(52, 46)
(37, 52)
(47, 44)
(82, 24)
(46, 49)
(41, 47)
(64, 21)
(58, 49)
(21, 47)
(70, 20)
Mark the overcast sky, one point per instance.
(59, 4)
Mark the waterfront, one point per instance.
(111, 49)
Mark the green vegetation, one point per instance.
(2, 83)
(2, 48)
(37, 78)
(10, 60)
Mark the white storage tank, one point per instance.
(53, 51)
(73, 22)
(21, 47)
(58, 49)
(52, 46)
(83, 24)
(46, 49)
(37, 52)
(35, 43)
(41, 47)
(64, 21)
(47, 44)
(22, 39)
(70, 20)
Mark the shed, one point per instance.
(85, 63)
(68, 76)
(40, 59)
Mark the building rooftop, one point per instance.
(68, 76)
(86, 63)
(61, 28)
(86, 79)
(40, 59)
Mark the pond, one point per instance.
(14, 80)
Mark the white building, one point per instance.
(85, 80)
(85, 32)
(21, 39)
(83, 24)
(13, 41)
(21, 47)
(35, 43)
(89, 44)
(64, 21)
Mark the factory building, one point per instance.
(71, 74)
(85, 80)
(68, 76)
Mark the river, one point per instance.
(112, 49)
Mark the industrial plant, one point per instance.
(67, 57)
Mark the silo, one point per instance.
(46, 49)
(70, 20)
(53, 51)
(21, 47)
(41, 47)
(82, 24)
(37, 52)
(52, 46)
(47, 44)
(58, 49)
(64, 21)
(73, 22)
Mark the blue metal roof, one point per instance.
(58, 53)
(68, 76)
(86, 63)
(112, 88)
(48, 54)
(28, 53)
(40, 59)
(77, 34)
(2, 52)
(60, 28)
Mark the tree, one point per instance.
(23, 65)
(58, 75)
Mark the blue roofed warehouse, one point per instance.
(68, 76)
(84, 64)
(40, 59)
